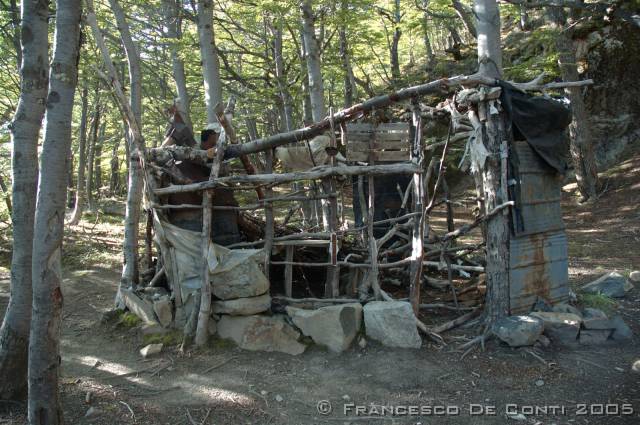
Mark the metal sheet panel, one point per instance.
(538, 268)
(540, 190)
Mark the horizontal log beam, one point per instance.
(313, 174)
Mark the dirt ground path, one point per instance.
(225, 385)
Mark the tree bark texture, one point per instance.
(466, 16)
(581, 145)
(173, 12)
(283, 88)
(210, 60)
(493, 134)
(312, 55)
(130, 267)
(25, 129)
(488, 28)
(82, 158)
(397, 33)
(44, 351)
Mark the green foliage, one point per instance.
(599, 301)
(526, 55)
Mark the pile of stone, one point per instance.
(588, 327)
(335, 327)
(565, 324)
(152, 305)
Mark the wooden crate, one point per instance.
(385, 142)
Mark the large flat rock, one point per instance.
(261, 333)
(518, 331)
(560, 327)
(334, 327)
(139, 306)
(612, 285)
(243, 306)
(392, 323)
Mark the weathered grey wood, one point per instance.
(417, 236)
(316, 173)
(362, 144)
(378, 156)
(288, 271)
(269, 220)
(202, 330)
(44, 406)
(373, 247)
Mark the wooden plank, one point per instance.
(384, 156)
(379, 136)
(359, 126)
(390, 156)
(392, 145)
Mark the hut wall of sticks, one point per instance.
(340, 215)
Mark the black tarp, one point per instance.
(541, 121)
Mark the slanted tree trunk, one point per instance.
(82, 158)
(25, 129)
(44, 406)
(581, 146)
(210, 60)
(312, 55)
(493, 133)
(466, 16)
(130, 268)
(173, 14)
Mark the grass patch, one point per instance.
(599, 301)
(129, 320)
(170, 338)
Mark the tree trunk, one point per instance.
(581, 146)
(210, 61)
(395, 59)
(97, 157)
(44, 351)
(114, 180)
(130, 268)
(173, 14)
(312, 54)
(25, 129)
(285, 95)
(466, 17)
(349, 80)
(82, 158)
(425, 36)
(488, 28)
(95, 123)
(493, 133)
(7, 194)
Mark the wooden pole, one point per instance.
(373, 246)
(202, 331)
(268, 215)
(417, 251)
